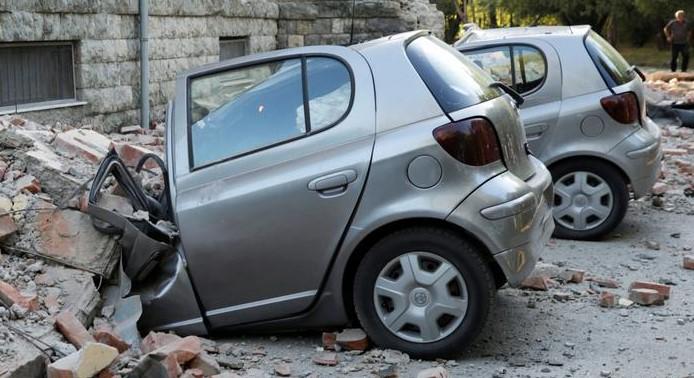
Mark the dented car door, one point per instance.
(270, 158)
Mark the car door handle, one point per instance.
(338, 180)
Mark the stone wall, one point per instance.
(184, 34)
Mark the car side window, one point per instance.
(241, 110)
(529, 67)
(496, 61)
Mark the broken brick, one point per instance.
(193, 373)
(325, 359)
(131, 154)
(352, 339)
(155, 340)
(542, 283)
(9, 295)
(688, 262)
(329, 339)
(86, 362)
(184, 349)
(67, 324)
(573, 275)
(205, 363)
(87, 144)
(607, 299)
(435, 372)
(663, 290)
(646, 297)
(28, 183)
(605, 282)
(108, 337)
(7, 225)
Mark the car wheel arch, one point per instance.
(588, 157)
(374, 236)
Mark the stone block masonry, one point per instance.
(185, 34)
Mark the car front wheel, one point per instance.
(424, 291)
(590, 199)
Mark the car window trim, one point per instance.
(304, 58)
(510, 46)
(606, 76)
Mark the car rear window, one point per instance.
(452, 78)
(612, 66)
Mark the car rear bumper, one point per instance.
(512, 217)
(641, 154)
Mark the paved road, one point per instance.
(576, 338)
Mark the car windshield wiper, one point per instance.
(638, 72)
(515, 95)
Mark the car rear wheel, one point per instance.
(590, 199)
(423, 291)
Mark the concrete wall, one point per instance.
(184, 34)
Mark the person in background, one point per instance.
(677, 33)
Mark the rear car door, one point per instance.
(271, 155)
(533, 70)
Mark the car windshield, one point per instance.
(608, 60)
(452, 78)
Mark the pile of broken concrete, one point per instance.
(54, 262)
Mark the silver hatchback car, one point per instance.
(386, 183)
(584, 116)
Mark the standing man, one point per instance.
(677, 34)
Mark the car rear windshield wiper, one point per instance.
(515, 95)
(638, 72)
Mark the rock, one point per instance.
(283, 370)
(85, 363)
(659, 188)
(67, 324)
(230, 362)
(561, 296)
(653, 245)
(573, 275)
(206, 364)
(325, 359)
(688, 262)
(328, 340)
(646, 297)
(7, 225)
(28, 183)
(155, 340)
(108, 337)
(86, 144)
(352, 339)
(156, 366)
(193, 373)
(435, 372)
(388, 371)
(663, 290)
(541, 283)
(395, 357)
(10, 296)
(605, 282)
(607, 299)
(623, 302)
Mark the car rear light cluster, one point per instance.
(623, 107)
(470, 141)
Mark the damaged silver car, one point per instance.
(386, 184)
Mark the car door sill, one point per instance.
(236, 312)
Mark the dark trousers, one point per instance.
(677, 49)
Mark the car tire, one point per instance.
(600, 171)
(432, 243)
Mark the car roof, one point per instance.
(476, 35)
(400, 38)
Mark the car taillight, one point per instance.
(470, 141)
(623, 108)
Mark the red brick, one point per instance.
(7, 225)
(329, 339)
(156, 340)
(72, 329)
(688, 262)
(10, 295)
(131, 154)
(605, 282)
(325, 359)
(184, 349)
(537, 283)
(607, 299)
(108, 337)
(352, 339)
(663, 290)
(28, 183)
(646, 297)
(205, 363)
(573, 275)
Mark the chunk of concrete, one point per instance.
(86, 144)
(85, 363)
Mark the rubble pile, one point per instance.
(674, 191)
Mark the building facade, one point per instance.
(77, 61)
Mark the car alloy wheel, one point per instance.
(582, 200)
(420, 297)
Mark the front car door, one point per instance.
(271, 155)
(533, 70)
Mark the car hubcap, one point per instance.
(582, 201)
(420, 297)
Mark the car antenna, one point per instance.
(351, 32)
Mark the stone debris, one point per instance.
(352, 339)
(688, 262)
(646, 297)
(663, 290)
(604, 282)
(85, 363)
(328, 340)
(325, 359)
(541, 283)
(71, 328)
(435, 372)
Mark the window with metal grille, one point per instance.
(230, 48)
(35, 73)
